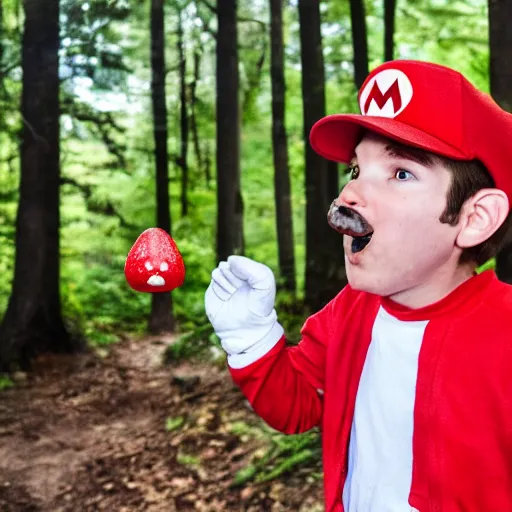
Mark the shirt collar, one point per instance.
(464, 296)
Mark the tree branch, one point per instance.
(107, 208)
(104, 123)
(86, 190)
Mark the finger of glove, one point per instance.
(212, 303)
(222, 283)
(259, 276)
(230, 277)
(261, 281)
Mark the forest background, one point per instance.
(85, 164)
(117, 116)
(117, 63)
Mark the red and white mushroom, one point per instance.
(154, 263)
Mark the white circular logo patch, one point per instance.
(386, 94)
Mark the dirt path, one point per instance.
(124, 433)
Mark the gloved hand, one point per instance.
(240, 306)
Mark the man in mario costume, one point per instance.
(408, 370)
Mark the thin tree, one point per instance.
(325, 270)
(229, 197)
(161, 318)
(280, 147)
(500, 46)
(193, 115)
(359, 41)
(183, 157)
(33, 321)
(389, 29)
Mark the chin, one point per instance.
(360, 280)
(368, 282)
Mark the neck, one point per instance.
(441, 284)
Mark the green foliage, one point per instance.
(188, 460)
(5, 382)
(491, 264)
(284, 454)
(92, 41)
(190, 344)
(174, 423)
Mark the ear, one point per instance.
(482, 215)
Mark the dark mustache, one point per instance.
(347, 221)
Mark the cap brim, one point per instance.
(335, 137)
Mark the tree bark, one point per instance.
(229, 197)
(359, 41)
(500, 46)
(183, 118)
(280, 146)
(193, 115)
(207, 163)
(161, 317)
(325, 270)
(389, 29)
(33, 321)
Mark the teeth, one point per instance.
(359, 243)
(156, 281)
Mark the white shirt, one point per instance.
(380, 449)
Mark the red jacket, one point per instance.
(462, 440)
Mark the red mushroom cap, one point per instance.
(154, 263)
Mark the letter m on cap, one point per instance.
(393, 94)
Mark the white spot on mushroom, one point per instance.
(148, 265)
(164, 266)
(156, 281)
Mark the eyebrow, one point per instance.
(414, 154)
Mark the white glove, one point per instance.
(240, 306)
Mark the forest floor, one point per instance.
(120, 431)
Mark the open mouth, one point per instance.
(360, 242)
(348, 221)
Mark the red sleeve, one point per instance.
(283, 386)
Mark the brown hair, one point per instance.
(468, 177)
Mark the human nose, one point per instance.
(351, 195)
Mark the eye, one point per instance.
(353, 171)
(164, 266)
(403, 175)
(148, 265)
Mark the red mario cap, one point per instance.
(427, 106)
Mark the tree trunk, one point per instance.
(389, 29)
(193, 115)
(161, 318)
(280, 146)
(333, 182)
(33, 322)
(325, 270)
(183, 118)
(359, 41)
(207, 163)
(229, 197)
(500, 43)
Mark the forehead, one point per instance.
(377, 145)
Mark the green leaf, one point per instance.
(174, 423)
